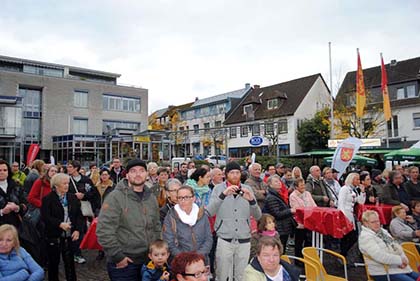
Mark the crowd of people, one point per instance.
(195, 223)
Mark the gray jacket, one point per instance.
(184, 238)
(402, 230)
(232, 213)
(128, 224)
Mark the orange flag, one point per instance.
(360, 89)
(385, 94)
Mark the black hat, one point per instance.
(232, 166)
(335, 171)
(375, 173)
(136, 162)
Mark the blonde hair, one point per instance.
(396, 210)
(10, 228)
(294, 170)
(367, 214)
(350, 178)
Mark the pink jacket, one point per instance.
(301, 200)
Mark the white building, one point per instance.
(203, 121)
(403, 86)
(274, 112)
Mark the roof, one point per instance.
(403, 71)
(218, 98)
(291, 93)
(160, 112)
(59, 66)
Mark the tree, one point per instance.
(314, 133)
(346, 124)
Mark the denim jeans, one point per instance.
(132, 272)
(398, 277)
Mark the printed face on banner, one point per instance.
(346, 154)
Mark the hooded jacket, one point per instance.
(127, 224)
(254, 272)
(182, 237)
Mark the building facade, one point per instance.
(265, 122)
(201, 130)
(71, 112)
(403, 129)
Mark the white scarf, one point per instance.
(3, 185)
(189, 219)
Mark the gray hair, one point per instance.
(172, 182)
(151, 165)
(270, 179)
(311, 169)
(58, 179)
(350, 178)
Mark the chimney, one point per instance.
(196, 98)
(247, 85)
(393, 63)
(256, 86)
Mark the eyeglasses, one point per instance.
(184, 198)
(172, 190)
(205, 272)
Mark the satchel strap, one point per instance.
(74, 184)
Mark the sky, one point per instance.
(183, 49)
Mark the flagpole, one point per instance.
(359, 117)
(332, 96)
(386, 121)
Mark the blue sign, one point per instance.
(255, 141)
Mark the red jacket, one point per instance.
(34, 196)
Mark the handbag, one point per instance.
(85, 206)
(33, 214)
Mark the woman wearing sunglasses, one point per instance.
(186, 226)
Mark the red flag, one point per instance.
(360, 88)
(385, 93)
(32, 153)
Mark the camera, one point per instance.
(239, 192)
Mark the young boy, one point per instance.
(157, 269)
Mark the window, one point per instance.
(218, 124)
(80, 126)
(43, 71)
(256, 129)
(80, 98)
(411, 91)
(119, 103)
(233, 132)
(205, 111)
(32, 129)
(416, 119)
(196, 129)
(206, 128)
(282, 127)
(268, 128)
(114, 124)
(32, 113)
(393, 127)
(367, 125)
(400, 93)
(407, 92)
(351, 100)
(247, 109)
(31, 99)
(272, 104)
(244, 131)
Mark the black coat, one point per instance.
(14, 193)
(85, 186)
(275, 206)
(52, 214)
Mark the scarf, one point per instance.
(3, 185)
(190, 219)
(202, 193)
(270, 233)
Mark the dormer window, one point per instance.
(247, 109)
(273, 103)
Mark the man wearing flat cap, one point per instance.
(128, 223)
(233, 203)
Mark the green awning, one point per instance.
(409, 154)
